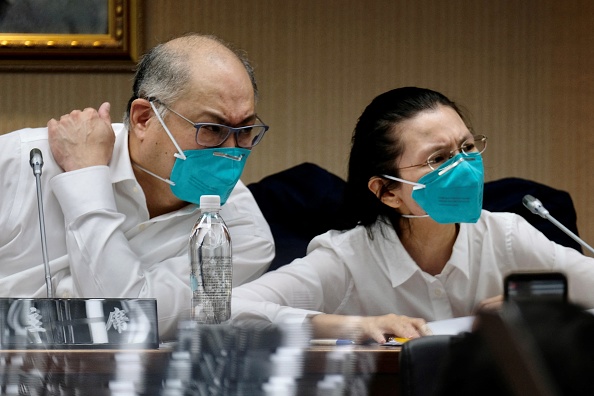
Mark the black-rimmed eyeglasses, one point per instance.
(213, 135)
(475, 144)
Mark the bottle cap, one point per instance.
(210, 202)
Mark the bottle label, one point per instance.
(211, 289)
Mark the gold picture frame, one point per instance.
(116, 50)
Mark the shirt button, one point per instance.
(66, 295)
(142, 227)
(135, 189)
(438, 292)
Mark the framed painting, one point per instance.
(69, 35)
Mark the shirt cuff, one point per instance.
(84, 190)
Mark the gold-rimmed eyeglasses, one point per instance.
(475, 144)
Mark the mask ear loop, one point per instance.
(414, 216)
(180, 154)
(416, 186)
(154, 174)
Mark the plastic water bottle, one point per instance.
(211, 264)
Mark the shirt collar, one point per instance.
(403, 267)
(120, 168)
(460, 253)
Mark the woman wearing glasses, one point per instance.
(415, 245)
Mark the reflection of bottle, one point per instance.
(211, 264)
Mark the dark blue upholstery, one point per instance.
(505, 195)
(298, 203)
(304, 201)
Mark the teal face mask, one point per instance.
(207, 172)
(213, 171)
(453, 193)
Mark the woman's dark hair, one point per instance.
(375, 147)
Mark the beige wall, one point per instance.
(523, 69)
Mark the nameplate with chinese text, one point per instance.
(58, 323)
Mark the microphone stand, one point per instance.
(571, 234)
(36, 162)
(536, 207)
(68, 322)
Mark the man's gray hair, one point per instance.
(164, 73)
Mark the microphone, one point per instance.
(536, 207)
(106, 323)
(36, 162)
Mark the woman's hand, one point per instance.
(490, 304)
(376, 327)
(363, 328)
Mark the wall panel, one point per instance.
(523, 69)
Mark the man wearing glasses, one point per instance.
(121, 199)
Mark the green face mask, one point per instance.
(452, 193)
(213, 171)
(207, 172)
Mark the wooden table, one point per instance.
(375, 367)
(101, 372)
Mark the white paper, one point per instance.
(451, 326)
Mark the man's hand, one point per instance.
(82, 138)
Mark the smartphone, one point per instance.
(535, 286)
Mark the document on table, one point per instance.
(451, 326)
(457, 325)
(447, 326)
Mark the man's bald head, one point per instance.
(166, 70)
